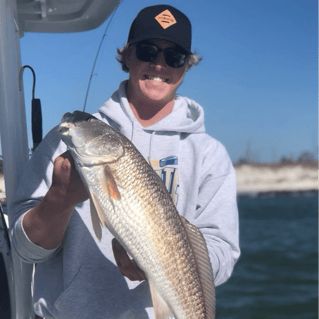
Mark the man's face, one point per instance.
(154, 81)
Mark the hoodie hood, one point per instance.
(187, 116)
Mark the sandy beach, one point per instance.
(259, 179)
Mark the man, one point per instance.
(76, 276)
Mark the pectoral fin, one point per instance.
(161, 309)
(111, 186)
(108, 184)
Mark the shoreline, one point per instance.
(262, 180)
(277, 179)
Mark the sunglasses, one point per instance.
(147, 52)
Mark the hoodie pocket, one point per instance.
(101, 292)
(68, 303)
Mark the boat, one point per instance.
(16, 18)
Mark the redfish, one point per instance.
(130, 200)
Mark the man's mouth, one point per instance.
(156, 78)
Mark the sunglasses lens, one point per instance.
(146, 52)
(149, 52)
(174, 59)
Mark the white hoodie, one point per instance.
(80, 279)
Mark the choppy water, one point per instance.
(277, 274)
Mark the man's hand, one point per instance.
(66, 180)
(127, 267)
(45, 224)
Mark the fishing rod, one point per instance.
(97, 54)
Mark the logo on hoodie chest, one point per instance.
(165, 169)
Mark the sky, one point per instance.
(257, 82)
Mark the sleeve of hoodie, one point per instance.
(216, 211)
(33, 185)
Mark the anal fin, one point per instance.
(161, 309)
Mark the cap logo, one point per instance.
(165, 19)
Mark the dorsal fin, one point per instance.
(204, 267)
(161, 309)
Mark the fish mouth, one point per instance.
(62, 130)
(65, 127)
(67, 122)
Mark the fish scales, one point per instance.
(147, 224)
(163, 225)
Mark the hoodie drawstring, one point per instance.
(133, 128)
(150, 149)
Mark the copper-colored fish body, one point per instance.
(133, 203)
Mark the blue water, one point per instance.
(276, 276)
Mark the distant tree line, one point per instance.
(304, 158)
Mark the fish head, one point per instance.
(90, 140)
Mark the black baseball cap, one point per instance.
(162, 22)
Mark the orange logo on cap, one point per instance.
(165, 19)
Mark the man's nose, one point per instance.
(159, 62)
